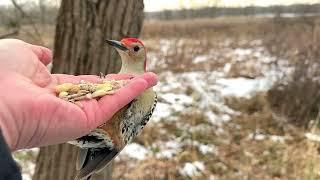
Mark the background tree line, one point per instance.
(44, 13)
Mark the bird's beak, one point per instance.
(117, 45)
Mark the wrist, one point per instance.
(7, 131)
(5, 135)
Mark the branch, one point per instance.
(25, 15)
(16, 32)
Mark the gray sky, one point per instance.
(158, 5)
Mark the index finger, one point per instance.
(98, 112)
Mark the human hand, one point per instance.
(30, 113)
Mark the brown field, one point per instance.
(286, 111)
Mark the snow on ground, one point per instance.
(313, 137)
(202, 95)
(135, 151)
(192, 169)
(205, 149)
(243, 87)
(169, 149)
(207, 90)
(204, 91)
(200, 59)
(260, 137)
(251, 55)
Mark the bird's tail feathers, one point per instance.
(93, 160)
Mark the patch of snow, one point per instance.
(168, 149)
(203, 84)
(152, 60)
(212, 177)
(267, 59)
(172, 144)
(155, 62)
(165, 45)
(172, 103)
(204, 95)
(312, 137)
(205, 149)
(169, 153)
(242, 52)
(242, 87)
(168, 82)
(276, 138)
(212, 117)
(192, 169)
(219, 131)
(227, 68)
(260, 137)
(26, 177)
(28, 170)
(287, 15)
(177, 98)
(135, 151)
(217, 119)
(162, 110)
(225, 117)
(200, 59)
(257, 136)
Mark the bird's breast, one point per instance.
(124, 126)
(138, 115)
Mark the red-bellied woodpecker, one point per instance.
(103, 144)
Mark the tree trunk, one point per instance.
(80, 48)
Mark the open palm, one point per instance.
(30, 113)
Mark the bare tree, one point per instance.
(80, 48)
(23, 14)
(42, 9)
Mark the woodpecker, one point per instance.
(102, 145)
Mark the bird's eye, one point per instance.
(136, 48)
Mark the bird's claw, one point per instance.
(102, 75)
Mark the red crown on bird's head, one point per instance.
(128, 41)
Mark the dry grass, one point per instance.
(217, 28)
(26, 34)
(298, 99)
(240, 153)
(269, 159)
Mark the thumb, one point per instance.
(43, 54)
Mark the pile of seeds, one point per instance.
(87, 90)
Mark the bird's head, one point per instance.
(133, 55)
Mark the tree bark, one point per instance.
(80, 48)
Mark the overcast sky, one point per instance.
(158, 5)
(154, 5)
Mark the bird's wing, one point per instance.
(96, 160)
(82, 157)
